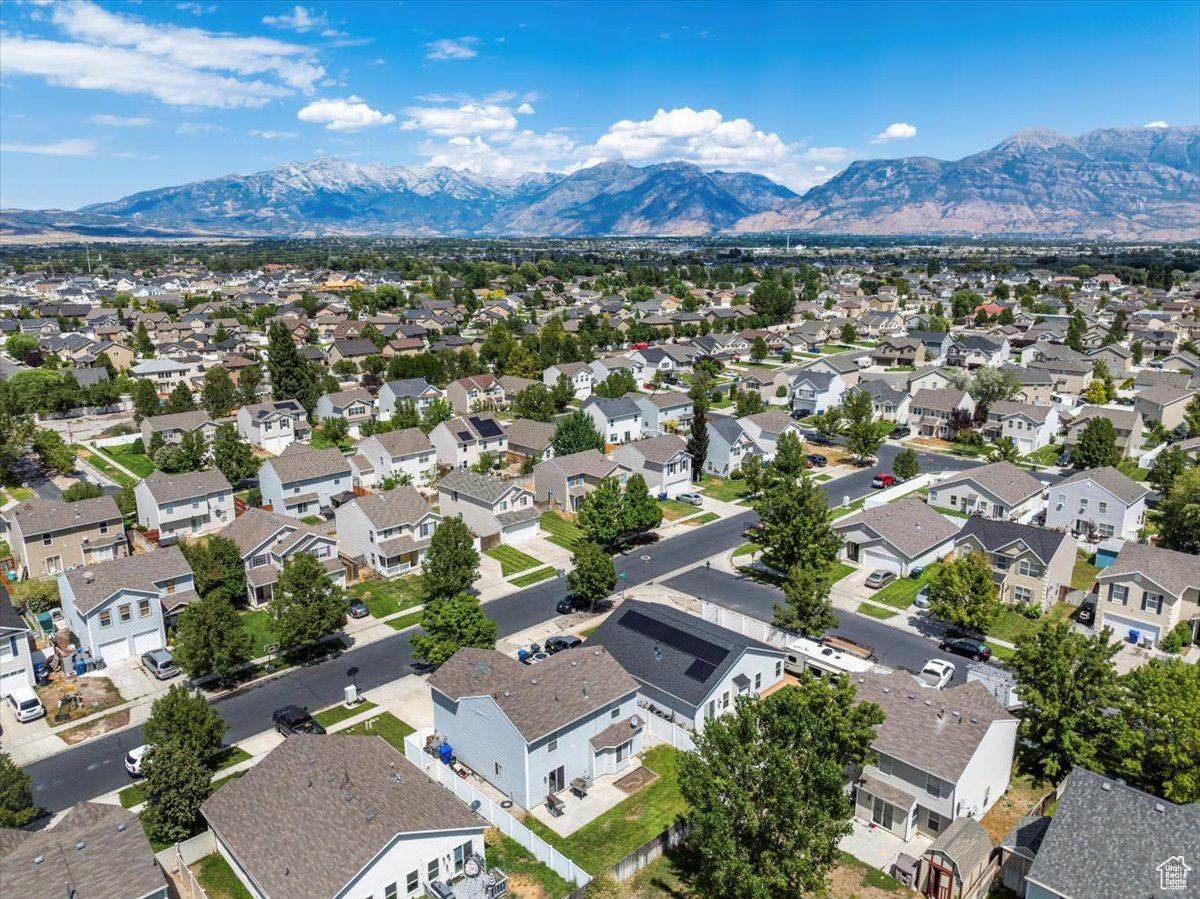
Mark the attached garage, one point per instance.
(1122, 626)
(114, 650)
(519, 533)
(146, 642)
(10, 680)
(873, 557)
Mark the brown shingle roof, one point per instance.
(173, 487)
(300, 462)
(1001, 479)
(1111, 479)
(909, 525)
(404, 505)
(1171, 570)
(39, 516)
(660, 449)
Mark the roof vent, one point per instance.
(121, 827)
(974, 720)
(1160, 808)
(887, 689)
(89, 576)
(39, 859)
(574, 663)
(81, 845)
(928, 703)
(506, 693)
(397, 777)
(1106, 787)
(370, 813)
(533, 681)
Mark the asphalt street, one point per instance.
(97, 767)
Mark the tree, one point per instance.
(991, 385)
(306, 604)
(1096, 393)
(848, 334)
(1097, 446)
(594, 576)
(562, 393)
(523, 364)
(764, 789)
(435, 413)
(180, 400)
(752, 471)
(211, 638)
(1004, 449)
(618, 383)
(141, 341)
(16, 799)
(697, 442)
(218, 395)
(185, 719)
(807, 608)
(450, 624)
(1191, 416)
(232, 455)
(248, 383)
(81, 490)
(535, 402)
(1136, 351)
(640, 512)
(373, 334)
(335, 429)
(772, 301)
(906, 466)
(829, 423)
(145, 400)
(1076, 328)
(217, 567)
(176, 784)
(1067, 684)
(758, 350)
(1160, 706)
(749, 402)
(796, 529)
(52, 451)
(790, 461)
(963, 592)
(20, 345)
(1168, 465)
(405, 415)
(452, 563)
(574, 434)
(1179, 528)
(292, 378)
(863, 438)
(599, 513)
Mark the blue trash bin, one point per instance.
(444, 753)
(1134, 636)
(80, 665)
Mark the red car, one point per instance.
(883, 480)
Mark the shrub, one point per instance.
(736, 475)
(1177, 638)
(781, 391)
(37, 594)
(1031, 611)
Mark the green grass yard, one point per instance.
(701, 519)
(746, 549)
(1130, 469)
(130, 456)
(728, 491)
(953, 513)
(218, 879)
(561, 532)
(840, 511)
(865, 608)
(514, 859)
(673, 509)
(838, 570)
(900, 593)
(512, 560)
(405, 621)
(387, 597)
(262, 629)
(336, 713)
(1047, 455)
(386, 725)
(1084, 574)
(98, 461)
(533, 577)
(1010, 623)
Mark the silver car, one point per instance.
(922, 599)
(691, 499)
(880, 578)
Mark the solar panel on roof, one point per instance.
(487, 427)
(700, 670)
(675, 638)
(464, 435)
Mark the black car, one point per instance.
(1065, 458)
(358, 609)
(292, 719)
(798, 414)
(1087, 612)
(899, 432)
(558, 644)
(965, 646)
(817, 460)
(572, 602)
(819, 439)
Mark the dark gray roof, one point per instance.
(728, 427)
(408, 387)
(909, 525)
(173, 487)
(615, 407)
(994, 535)
(358, 792)
(1173, 571)
(1026, 837)
(1109, 839)
(96, 583)
(678, 653)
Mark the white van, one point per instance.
(25, 704)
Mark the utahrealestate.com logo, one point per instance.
(1173, 874)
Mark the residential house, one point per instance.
(687, 668)
(48, 536)
(476, 393)
(1127, 422)
(932, 411)
(1067, 374)
(1029, 427)
(888, 402)
(1031, 565)
(116, 609)
(183, 505)
(729, 445)
(418, 390)
(266, 540)
(353, 350)
(462, 442)
(529, 441)
(1117, 359)
(353, 406)
(512, 387)
(93, 849)
(972, 351)
(273, 426)
(171, 428)
(496, 511)
(958, 864)
(936, 758)
(619, 419)
(664, 411)
(765, 429)
(166, 374)
(530, 731)
(893, 352)
(388, 532)
(16, 662)
(663, 461)
(1037, 387)
(998, 490)
(936, 343)
(565, 480)
(1150, 590)
(1164, 403)
(1099, 500)
(304, 481)
(387, 829)
(394, 454)
(814, 392)
(606, 365)
(895, 537)
(931, 377)
(845, 365)
(580, 374)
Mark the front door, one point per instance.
(941, 882)
(558, 779)
(623, 751)
(852, 552)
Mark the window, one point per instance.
(258, 561)
(47, 539)
(779, 669)
(757, 681)
(936, 822)
(391, 891)
(953, 499)
(461, 853)
(125, 611)
(616, 713)
(1118, 593)
(1103, 508)
(103, 527)
(935, 786)
(725, 700)
(553, 744)
(1082, 503)
(412, 881)
(1152, 602)
(1029, 568)
(432, 869)
(1023, 595)
(106, 618)
(143, 608)
(1106, 530)
(295, 490)
(884, 764)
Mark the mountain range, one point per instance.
(1117, 184)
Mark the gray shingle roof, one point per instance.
(300, 462)
(659, 449)
(943, 399)
(1001, 479)
(405, 442)
(909, 525)
(1111, 479)
(967, 843)
(358, 792)
(524, 432)
(1003, 408)
(615, 407)
(479, 486)
(96, 583)
(403, 505)
(994, 535)
(254, 527)
(589, 462)
(174, 487)
(1171, 570)
(39, 516)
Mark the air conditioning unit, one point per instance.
(440, 890)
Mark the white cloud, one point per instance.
(524, 109)
(449, 121)
(503, 156)
(274, 135)
(197, 9)
(451, 48)
(191, 128)
(299, 19)
(116, 121)
(76, 146)
(349, 114)
(895, 131)
(1158, 124)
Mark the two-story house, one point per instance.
(998, 490)
(418, 391)
(303, 481)
(166, 374)
(896, 352)
(1103, 502)
(932, 409)
(888, 401)
(184, 505)
(1164, 403)
(1029, 427)
(475, 393)
(266, 540)
(529, 441)
(497, 511)
(972, 351)
(664, 412)
(619, 419)
(1149, 590)
(1032, 565)
(171, 428)
(116, 609)
(663, 461)
(273, 426)
(814, 392)
(1125, 420)
(765, 429)
(48, 537)
(389, 532)
(394, 454)
(565, 480)
(354, 406)
(16, 662)
(936, 343)
(580, 375)
(729, 445)
(606, 365)
(461, 442)
(530, 731)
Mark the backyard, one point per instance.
(218, 879)
(1085, 572)
(1047, 455)
(1130, 469)
(383, 597)
(512, 560)
(99, 462)
(526, 875)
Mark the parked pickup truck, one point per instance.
(292, 719)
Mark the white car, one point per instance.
(922, 599)
(936, 674)
(133, 761)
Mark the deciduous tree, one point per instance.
(1168, 465)
(1160, 710)
(145, 399)
(594, 576)
(1179, 527)
(450, 624)
(211, 638)
(906, 465)
(640, 512)
(232, 455)
(990, 385)
(863, 437)
(599, 513)
(177, 781)
(185, 719)
(218, 394)
(796, 529)
(1097, 446)
(963, 592)
(1004, 450)
(81, 490)
(306, 604)
(807, 608)
(52, 451)
(574, 434)
(535, 402)
(180, 400)
(452, 563)
(217, 567)
(829, 423)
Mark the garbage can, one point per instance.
(80, 665)
(1134, 636)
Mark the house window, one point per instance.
(553, 744)
(1119, 594)
(936, 822)
(103, 527)
(432, 869)
(412, 882)
(106, 618)
(953, 499)
(725, 700)
(143, 608)
(757, 681)
(1023, 595)
(125, 611)
(258, 561)
(935, 786)
(1029, 568)
(778, 669)
(1152, 602)
(616, 712)
(391, 891)
(1082, 503)
(47, 539)
(460, 856)
(1106, 530)
(1103, 508)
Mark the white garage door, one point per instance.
(13, 679)
(871, 559)
(521, 532)
(1122, 626)
(146, 642)
(114, 651)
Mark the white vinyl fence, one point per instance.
(669, 733)
(746, 626)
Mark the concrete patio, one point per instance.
(879, 848)
(602, 795)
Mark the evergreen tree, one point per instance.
(697, 443)
(145, 400)
(16, 799)
(562, 393)
(232, 455)
(292, 378)
(248, 382)
(180, 400)
(141, 342)
(758, 350)
(449, 624)
(218, 394)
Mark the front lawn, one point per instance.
(262, 629)
(519, 864)
(1011, 624)
(384, 598)
(1047, 455)
(837, 571)
(225, 758)
(728, 491)
(512, 560)
(746, 549)
(1085, 573)
(900, 593)
(386, 725)
(217, 878)
(130, 456)
(840, 511)
(702, 519)
(673, 509)
(865, 608)
(405, 621)
(613, 835)
(533, 577)
(336, 713)
(562, 532)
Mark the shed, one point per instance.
(958, 865)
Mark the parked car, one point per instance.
(25, 703)
(883, 480)
(880, 578)
(1065, 457)
(159, 663)
(357, 608)
(817, 459)
(572, 602)
(899, 432)
(916, 572)
(691, 499)
(292, 719)
(921, 601)
(798, 414)
(1087, 612)
(966, 646)
(937, 673)
(819, 439)
(135, 758)
(559, 643)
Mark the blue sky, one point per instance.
(101, 99)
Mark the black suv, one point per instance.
(819, 439)
(965, 646)
(560, 643)
(901, 431)
(291, 719)
(817, 460)
(572, 602)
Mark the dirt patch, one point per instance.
(94, 694)
(635, 780)
(845, 880)
(525, 887)
(82, 732)
(1020, 800)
